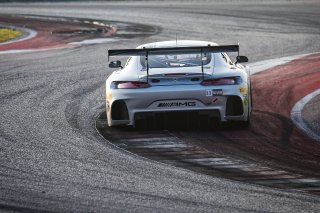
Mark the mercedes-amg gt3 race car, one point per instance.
(178, 76)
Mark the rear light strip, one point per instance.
(129, 85)
(222, 81)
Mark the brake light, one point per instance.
(222, 81)
(129, 85)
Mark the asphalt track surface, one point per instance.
(52, 157)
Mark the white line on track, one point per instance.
(96, 41)
(297, 117)
(260, 66)
(34, 50)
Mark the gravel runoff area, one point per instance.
(51, 156)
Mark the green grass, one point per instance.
(9, 34)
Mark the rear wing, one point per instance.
(173, 50)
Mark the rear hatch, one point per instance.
(177, 68)
(168, 79)
(177, 75)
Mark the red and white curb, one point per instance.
(260, 66)
(297, 117)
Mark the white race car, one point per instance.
(183, 76)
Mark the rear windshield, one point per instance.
(174, 61)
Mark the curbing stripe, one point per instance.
(261, 66)
(297, 117)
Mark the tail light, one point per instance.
(129, 85)
(222, 81)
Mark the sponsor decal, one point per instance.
(212, 92)
(109, 96)
(217, 92)
(209, 92)
(108, 106)
(246, 100)
(243, 90)
(178, 104)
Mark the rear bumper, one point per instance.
(157, 100)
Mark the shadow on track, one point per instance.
(204, 145)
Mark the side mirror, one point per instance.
(242, 59)
(115, 64)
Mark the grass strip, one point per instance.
(7, 34)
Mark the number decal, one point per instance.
(209, 92)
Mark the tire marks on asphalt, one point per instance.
(163, 146)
